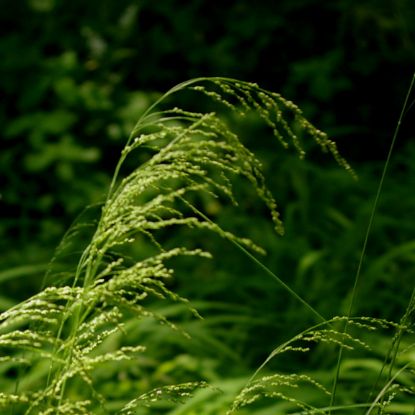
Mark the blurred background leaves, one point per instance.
(75, 76)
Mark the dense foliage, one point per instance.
(75, 77)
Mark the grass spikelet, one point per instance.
(276, 387)
(69, 408)
(172, 393)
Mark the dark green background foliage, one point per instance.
(75, 76)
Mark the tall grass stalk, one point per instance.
(404, 110)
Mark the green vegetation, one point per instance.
(75, 339)
(174, 290)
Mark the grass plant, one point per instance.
(68, 349)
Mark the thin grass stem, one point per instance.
(367, 234)
(270, 273)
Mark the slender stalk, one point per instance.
(367, 234)
(386, 387)
(312, 310)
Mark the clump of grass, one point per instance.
(58, 332)
(286, 386)
(56, 341)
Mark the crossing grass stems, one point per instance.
(54, 340)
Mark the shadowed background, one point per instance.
(75, 76)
